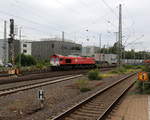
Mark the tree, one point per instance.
(26, 60)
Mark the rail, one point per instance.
(84, 102)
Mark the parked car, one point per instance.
(8, 65)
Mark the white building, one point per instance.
(26, 47)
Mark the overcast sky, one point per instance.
(80, 20)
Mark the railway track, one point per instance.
(6, 80)
(98, 105)
(11, 90)
(40, 76)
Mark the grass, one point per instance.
(125, 69)
(106, 75)
(139, 87)
(118, 70)
(85, 89)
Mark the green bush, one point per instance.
(26, 60)
(94, 75)
(43, 63)
(146, 68)
(139, 85)
(139, 66)
(39, 65)
(128, 66)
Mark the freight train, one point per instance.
(59, 62)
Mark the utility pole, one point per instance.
(120, 35)
(107, 48)
(117, 45)
(63, 39)
(20, 47)
(104, 54)
(100, 38)
(11, 42)
(5, 43)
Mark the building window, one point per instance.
(24, 51)
(24, 45)
(52, 45)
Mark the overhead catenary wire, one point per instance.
(45, 25)
(28, 20)
(32, 21)
(18, 4)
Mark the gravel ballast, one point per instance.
(24, 105)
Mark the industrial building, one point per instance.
(89, 51)
(47, 47)
(41, 50)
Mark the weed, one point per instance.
(118, 70)
(83, 85)
(85, 89)
(94, 75)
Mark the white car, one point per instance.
(8, 65)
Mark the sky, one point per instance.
(83, 21)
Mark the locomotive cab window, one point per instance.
(57, 59)
(68, 60)
(52, 59)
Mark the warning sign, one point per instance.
(143, 76)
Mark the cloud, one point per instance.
(47, 18)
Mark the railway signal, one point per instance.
(11, 42)
(143, 76)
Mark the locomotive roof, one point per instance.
(70, 56)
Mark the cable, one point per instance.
(30, 21)
(34, 12)
(106, 4)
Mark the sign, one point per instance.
(142, 76)
(41, 94)
(11, 71)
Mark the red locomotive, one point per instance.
(71, 62)
(146, 61)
